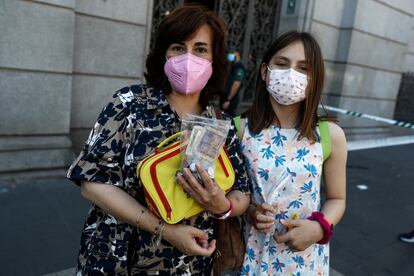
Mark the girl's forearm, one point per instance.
(333, 209)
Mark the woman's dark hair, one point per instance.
(261, 114)
(179, 26)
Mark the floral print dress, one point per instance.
(285, 171)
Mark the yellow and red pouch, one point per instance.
(165, 197)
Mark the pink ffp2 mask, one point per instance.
(187, 73)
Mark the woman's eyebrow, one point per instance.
(201, 44)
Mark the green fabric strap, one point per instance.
(325, 139)
(237, 121)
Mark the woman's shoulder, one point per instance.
(139, 96)
(132, 93)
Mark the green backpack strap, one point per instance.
(237, 122)
(325, 138)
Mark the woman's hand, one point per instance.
(208, 195)
(302, 234)
(262, 217)
(189, 240)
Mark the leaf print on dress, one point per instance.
(250, 254)
(295, 204)
(299, 261)
(245, 270)
(313, 196)
(312, 265)
(265, 267)
(271, 250)
(278, 265)
(257, 137)
(108, 112)
(291, 173)
(311, 169)
(278, 139)
(264, 173)
(325, 260)
(320, 250)
(301, 153)
(306, 188)
(257, 189)
(280, 160)
(281, 215)
(267, 152)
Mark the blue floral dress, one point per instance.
(285, 171)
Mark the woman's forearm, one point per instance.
(118, 203)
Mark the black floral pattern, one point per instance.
(136, 120)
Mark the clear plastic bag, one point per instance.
(271, 197)
(204, 138)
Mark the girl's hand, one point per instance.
(189, 240)
(226, 105)
(208, 195)
(262, 217)
(302, 234)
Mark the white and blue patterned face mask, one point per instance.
(286, 86)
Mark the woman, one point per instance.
(185, 70)
(287, 230)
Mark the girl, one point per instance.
(287, 230)
(185, 70)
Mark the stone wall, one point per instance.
(111, 41)
(60, 63)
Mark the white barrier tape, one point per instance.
(367, 116)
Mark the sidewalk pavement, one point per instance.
(41, 220)
(365, 241)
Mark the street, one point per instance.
(41, 220)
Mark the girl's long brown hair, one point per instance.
(261, 114)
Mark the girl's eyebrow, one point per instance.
(282, 57)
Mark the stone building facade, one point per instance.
(61, 60)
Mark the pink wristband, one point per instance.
(326, 227)
(226, 214)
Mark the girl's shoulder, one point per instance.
(337, 133)
(338, 140)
